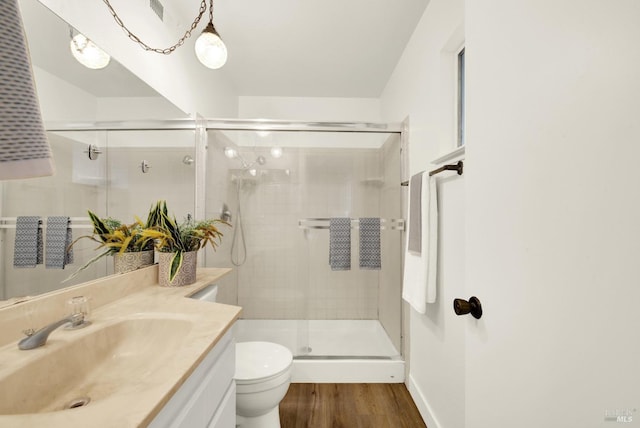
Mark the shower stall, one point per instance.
(278, 184)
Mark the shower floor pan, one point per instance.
(331, 351)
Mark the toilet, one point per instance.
(263, 375)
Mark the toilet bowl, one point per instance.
(263, 375)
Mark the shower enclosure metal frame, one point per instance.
(201, 126)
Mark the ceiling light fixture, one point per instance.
(210, 49)
(276, 152)
(87, 53)
(230, 152)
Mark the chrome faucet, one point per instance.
(39, 338)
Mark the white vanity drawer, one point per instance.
(225, 417)
(196, 402)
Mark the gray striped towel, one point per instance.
(340, 243)
(59, 238)
(370, 243)
(27, 250)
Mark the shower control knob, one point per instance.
(473, 307)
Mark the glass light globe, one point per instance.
(230, 152)
(276, 152)
(87, 53)
(210, 49)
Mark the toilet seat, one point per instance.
(261, 362)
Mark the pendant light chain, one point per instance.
(166, 51)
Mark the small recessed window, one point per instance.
(461, 100)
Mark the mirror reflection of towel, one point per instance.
(58, 240)
(27, 250)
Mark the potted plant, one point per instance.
(178, 244)
(131, 245)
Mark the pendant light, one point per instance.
(210, 49)
(88, 53)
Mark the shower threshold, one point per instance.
(332, 351)
(341, 357)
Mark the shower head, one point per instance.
(232, 153)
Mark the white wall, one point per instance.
(192, 89)
(423, 78)
(314, 109)
(137, 108)
(62, 101)
(552, 211)
(550, 226)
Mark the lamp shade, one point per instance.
(87, 53)
(24, 149)
(210, 49)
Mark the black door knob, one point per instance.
(473, 307)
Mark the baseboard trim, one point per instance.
(423, 405)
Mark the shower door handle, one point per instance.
(473, 307)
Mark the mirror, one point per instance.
(107, 184)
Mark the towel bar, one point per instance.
(10, 223)
(323, 223)
(458, 167)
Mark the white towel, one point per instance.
(420, 270)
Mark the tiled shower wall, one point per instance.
(286, 274)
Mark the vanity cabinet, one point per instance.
(207, 399)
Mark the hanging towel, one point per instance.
(58, 240)
(420, 270)
(415, 215)
(340, 243)
(24, 149)
(370, 243)
(27, 251)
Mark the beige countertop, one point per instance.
(173, 333)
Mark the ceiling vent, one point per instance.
(157, 7)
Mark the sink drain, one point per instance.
(77, 402)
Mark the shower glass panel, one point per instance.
(111, 184)
(281, 188)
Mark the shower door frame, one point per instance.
(201, 126)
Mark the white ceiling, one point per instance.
(330, 48)
(298, 48)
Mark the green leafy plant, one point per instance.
(115, 237)
(179, 238)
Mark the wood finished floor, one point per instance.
(349, 405)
